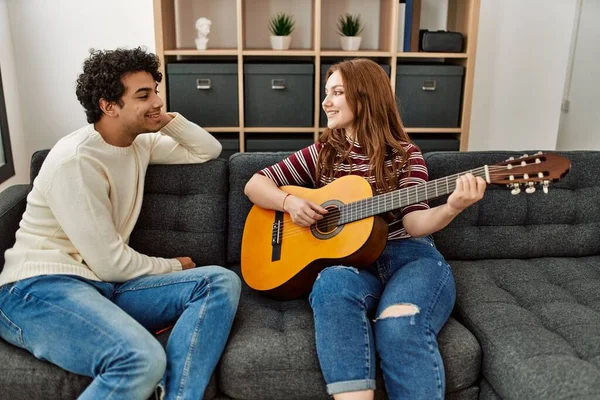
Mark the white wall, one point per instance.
(11, 97)
(51, 38)
(521, 64)
(580, 126)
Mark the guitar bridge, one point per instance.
(277, 236)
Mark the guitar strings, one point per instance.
(355, 208)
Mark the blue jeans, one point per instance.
(105, 330)
(347, 304)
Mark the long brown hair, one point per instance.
(377, 125)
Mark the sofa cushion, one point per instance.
(23, 377)
(271, 353)
(241, 168)
(184, 213)
(563, 223)
(538, 322)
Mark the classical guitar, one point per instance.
(283, 259)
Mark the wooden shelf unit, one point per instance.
(239, 32)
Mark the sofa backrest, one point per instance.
(241, 168)
(564, 222)
(186, 209)
(12, 206)
(184, 213)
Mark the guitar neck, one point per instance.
(396, 199)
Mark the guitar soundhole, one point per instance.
(329, 226)
(330, 222)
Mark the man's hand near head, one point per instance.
(165, 118)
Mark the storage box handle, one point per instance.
(278, 84)
(429, 85)
(203, 84)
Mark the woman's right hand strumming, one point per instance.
(303, 212)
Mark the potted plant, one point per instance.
(349, 27)
(281, 26)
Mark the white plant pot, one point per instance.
(280, 42)
(350, 43)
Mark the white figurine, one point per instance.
(203, 28)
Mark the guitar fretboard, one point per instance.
(403, 197)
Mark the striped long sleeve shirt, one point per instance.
(300, 169)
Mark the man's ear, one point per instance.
(109, 108)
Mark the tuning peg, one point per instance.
(530, 188)
(516, 189)
(510, 159)
(545, 185)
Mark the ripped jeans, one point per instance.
(350, 332)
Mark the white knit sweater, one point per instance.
(87, 198)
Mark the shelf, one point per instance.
(208, 52)
(421, 130)
(432, 130)
(279, 130)
(272, 53)
(220, 129)
(255, 22)
(239, 34)
(360, 53)
(376, 18)
(221, 13)
(430, 55)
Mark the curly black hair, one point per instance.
(102, 74)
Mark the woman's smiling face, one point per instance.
(339, 115)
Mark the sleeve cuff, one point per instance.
(178, 124)
(175, 264)
(414, 207)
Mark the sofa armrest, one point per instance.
(12, 205)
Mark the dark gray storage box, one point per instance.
(429, 142)
(278, 141)
(230, 142)
(429, 95)
(324, 68)
(206, 94)
(278, 95)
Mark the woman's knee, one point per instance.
(336, 281)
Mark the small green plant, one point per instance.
(349, 25)
(281, 24)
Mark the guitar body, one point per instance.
(283, 259)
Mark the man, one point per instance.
(72, 291)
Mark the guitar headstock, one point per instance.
(528, 170)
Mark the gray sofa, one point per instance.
(527, 267)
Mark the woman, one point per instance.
(396, 307)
